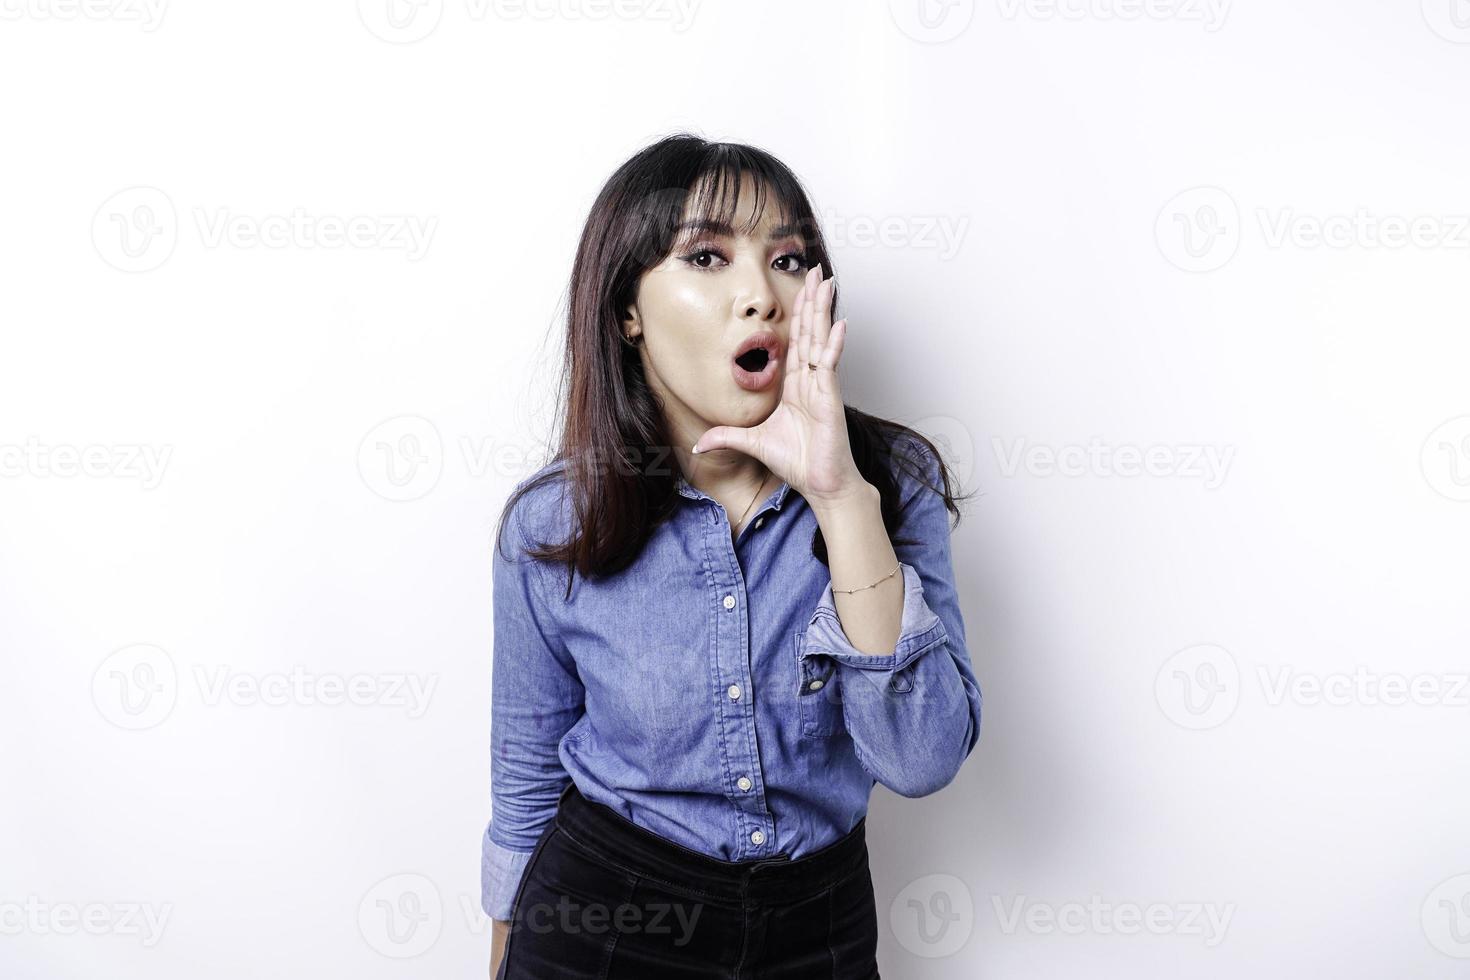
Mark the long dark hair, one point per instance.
(615, 453)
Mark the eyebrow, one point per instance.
(723, 228)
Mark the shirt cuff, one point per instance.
(501, 870)
(919, 630)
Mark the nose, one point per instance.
(763, 308)
(757, 299)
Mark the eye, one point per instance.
(700, 254)
(703, 255)
(697, 257)
(798, 258)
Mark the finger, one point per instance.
(793, 335)
(832, 353)
(830, 357)
(725, 437)
(804, 351)
(822, 316)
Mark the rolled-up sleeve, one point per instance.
(913, 714)
(536, 697)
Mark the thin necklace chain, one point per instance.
(753, 499)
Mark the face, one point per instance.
(719, 292)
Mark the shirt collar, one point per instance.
(776, 499)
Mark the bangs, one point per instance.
(713, 201)
(685, 188)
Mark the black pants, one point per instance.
(605, 899)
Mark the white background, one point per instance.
(1131, 203)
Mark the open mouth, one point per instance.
(754, 367)
(754, 360)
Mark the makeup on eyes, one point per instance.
(700, 247)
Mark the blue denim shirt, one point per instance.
(708, 693)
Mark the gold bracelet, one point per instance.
(883, 579)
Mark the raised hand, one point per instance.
(804, 441)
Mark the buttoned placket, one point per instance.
(732, 665)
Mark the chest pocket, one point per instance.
(818, 694)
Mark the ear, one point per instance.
(630, 319)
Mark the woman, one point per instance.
(727, 611)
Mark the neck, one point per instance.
(723, 472)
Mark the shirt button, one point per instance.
(815, 685)
(757, 837)
(734, 692)
(743, 782)
(759, 521)
(729, 602)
